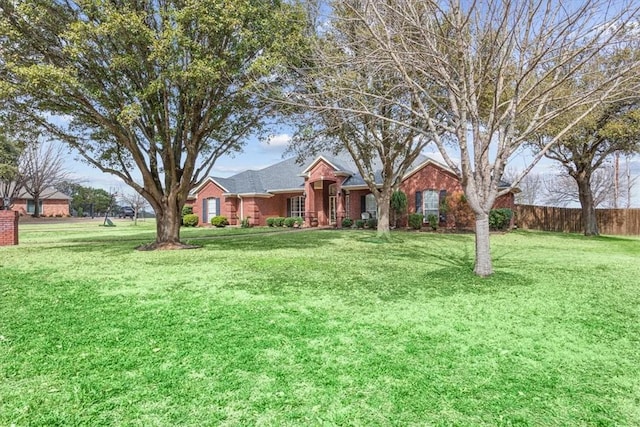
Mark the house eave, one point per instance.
(287, 190)
(316, 161)
(207, 180)
(358, 187)
(256, 195)
(425, 164)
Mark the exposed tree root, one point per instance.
(165, 246)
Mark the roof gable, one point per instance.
(210, 180)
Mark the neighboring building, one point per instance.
(52, 203)
(323, 192)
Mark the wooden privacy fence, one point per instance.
(623, 222)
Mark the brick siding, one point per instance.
(8, 228)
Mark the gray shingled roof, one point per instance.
(286, 175)
(48, 193)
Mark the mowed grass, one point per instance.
(317, 328)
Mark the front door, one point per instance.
(332, 210)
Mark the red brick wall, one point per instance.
(258, 208)
(8, 228)
(506, 201)
(50, 207)
(261, 208)
(209, 190)
(322, 171)
(355, 197)
(229, 209)
(430, 177)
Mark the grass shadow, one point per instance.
(268, 241)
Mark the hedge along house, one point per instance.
(323, 192)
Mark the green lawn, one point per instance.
(317, 328)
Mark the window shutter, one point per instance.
(204, 211)
(289, 207)
(419, 202)
(363, 203)
(217, 206)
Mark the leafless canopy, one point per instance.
(487, 76)
(42, 168)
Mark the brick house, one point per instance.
(323, 192)
(52, 203)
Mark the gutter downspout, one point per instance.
(241, 208)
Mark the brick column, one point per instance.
(8, 228)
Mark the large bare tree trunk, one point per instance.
(384, 208)
(167, 229)
(483, 266)
(585, 195)
(36, 206)
(168, 212)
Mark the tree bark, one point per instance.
(168, 214)
(589, 223)
(384, 207)
(483, 266)
(167, 229)
(36, 206)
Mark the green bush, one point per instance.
(432, 219)
(278, 221)
(271, 222)
(372, 223)
(299, 221)
(187, 210)
(347, 223)
(499, 219)
(219, 221)
(415, 221)
(190, 220)
(360, 223)
(245, 223)
(289, 221)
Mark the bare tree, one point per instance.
(562, 189)
(42, 168)
(346, 103)
(531, 186)
(137, 203)
(495, 73)
(588, 153)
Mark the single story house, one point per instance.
(324, 191)
(52, 203)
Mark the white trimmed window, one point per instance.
(430, 203)
(296, 206)
(370, 205)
